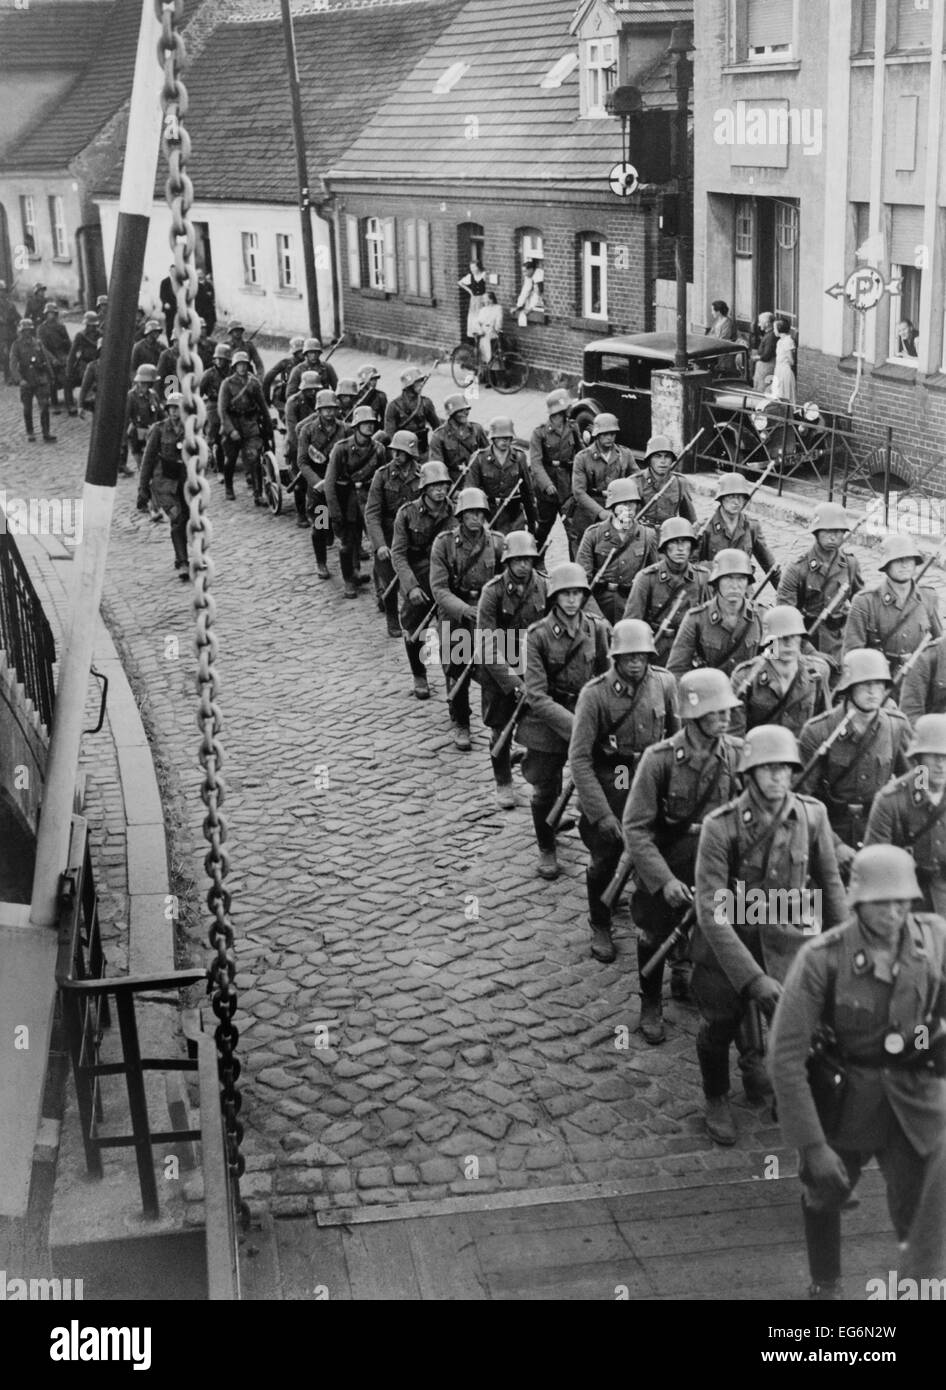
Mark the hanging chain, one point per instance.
(179, 192)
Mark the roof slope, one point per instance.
(50, 35)
(497, 123)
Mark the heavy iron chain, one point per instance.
(179, 192)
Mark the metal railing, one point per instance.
(25, 634)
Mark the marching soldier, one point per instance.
(393, 485)
(563, 651)
(54, 337)
(89, 389)
(509, 604)
(618, 714)
(784, 685)
(462, 561)
(368, 378)
(33, 309)
(552, 452)
(148, 348)
(614, 551)
(725, 630)
(245, 424)
(455, 442)
(32, 372)
(276, 380)
(909, 811)
(85, 348)
(924, 685)
(143, 409)
(239, 343)
(163, 475)
(895, 616)
(9, 318)
(352, 464)
(730, 528)
(775, 844)
(166, 378)
(874, 993)
(209, 388)
(299, 407)
(412, 410)
(346, 391)
(659, 462)
(416, 527)
(316, 437)
(311, 361)
(678, 783)
(663, 593)
(811, 582)
(860, 760)
(498, 470)
(594, 468)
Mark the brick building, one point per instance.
(497, 145)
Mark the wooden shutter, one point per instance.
(906, 233)
(410, 255)
(390, 255)
(423, 258)
(353, 238)
(914, 26)
(769, 22)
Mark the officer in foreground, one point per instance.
(873, 997)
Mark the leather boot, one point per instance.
(548, 864)
(602, 947)
(823, 1241)
(461, 738)
(720, 1125)
(651, 987)
(421, 686)
(505, 796)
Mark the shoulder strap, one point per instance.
(859, 749)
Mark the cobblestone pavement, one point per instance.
(419, 1014)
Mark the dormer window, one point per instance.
(599, 74)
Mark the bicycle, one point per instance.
(505, 372)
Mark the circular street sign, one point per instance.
(623, 180)
(865, 287)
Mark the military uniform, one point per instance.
(879, 618)
(408, 412)
(162, 477)
(328, 378)
(242, 344)
(746, 536)
(88, 389)
(676, 501)
(767, 700)
(614, 723)
(591, 473)
(300, 406)
(855, 767)
(84, 349)
(763, 848)
(416, 527)
(276, 381)
(706, 638)
(552, 452)
(9, 318)
(811, 582)
(654, 598)
(390, 488)
(497, 480)
(352, 464)
(924, 685)
(32, 372)
(209, 387)
(312, 437)
(146, 352)
(558, 663)
(54, 337)
(242, 409)
(168, 379)
(508, 609)
(454, 447)
(142, 410)
(460, 565)
(904, 814)
(633, 550)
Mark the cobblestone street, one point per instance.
(419, 1015)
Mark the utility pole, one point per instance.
(681, 43)
(302, 173)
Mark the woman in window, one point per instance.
(530, 296)
(783, 382)
(475, 285)
(488, 325)
(906, 339)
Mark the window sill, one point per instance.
(538, 316)
(252, 289)
(426, 300)
(600, 327)
(920, 55)
(368, 293)
(288, 294)
(62, 260)
(936, 381)
(893, 371)
(781, 65)
(34, 257)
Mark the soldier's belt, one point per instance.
(567, 698)
(851, 808)
(623, 589)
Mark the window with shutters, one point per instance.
(285, 261)
(863, 24)
(250, 258)
(744, 235)
(417, 257)
(372, 254)
(593, 290)
(599, 71)
(905, 315)
(762, 30)
(28, 223)
(57, 221)
(911, 22)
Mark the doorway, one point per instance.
(471, 240)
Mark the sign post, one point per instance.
(863, 289)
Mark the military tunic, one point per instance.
(85, 349)
(856, 766)
(766, 700)
(163, 474)
(252, 352)
(880, 618)
(746, 536)
(630, 551)
(407, 412)
(904, 814)
(591, 473)
(924, 685)
(416, 527)
(811, 582)
(276, 380)
(314, 444)
(661, 595)
(460, 565)
(390, 488)
(143, 409)
(506, 610)
(706, 638)
(498, 480)
(146, 352)
(55, 339)
(552, 451)
(454, 446)
(676, 501)
(209, 387)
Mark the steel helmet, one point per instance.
(309, 381)
(862, 664)
(898, 548)
(883, 873)
(472, 499)
(326, 400)
(706, 691)
(659, 444)
(348, 386)
(732, 485)
(675, 528)
(223, 350)
(311, 344)
(632, 636)
(39, 285)
(368, 373)
(406, 442)
(929, 736)
(830, 516)
(296, 343)
(24, 323)
(364, 415)
(454, 403)
(101, 301)
(235, 326)
(622, 490)
(557, 401)
(520, 545)
(239, 357)
(410, 375)
(50, 307)
(769, 743)
(782, 621)
(152, 326)
(730, 562)
(604, 424)
(146, 372)
(430, 473)
(173, 398)
(501, 427)
(90, 317)
(568, 576)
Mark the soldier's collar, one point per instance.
(562, 625)
(755, 810)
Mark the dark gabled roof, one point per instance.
(239, 116)
(50, 35)
(497, 123)
(103, 86)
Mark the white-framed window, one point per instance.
(285, 260)
(905, 316)
(57, 221)
(251, 265)
(599, 74)
(417, 255)
(531, 249)
(28, 222)
(372, 253)
(374, 249)
(912, 25)
(594, 276)
(762, 30)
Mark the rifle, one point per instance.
(929, 560)
(665, 625)
(334, 348)
(836, 602)
(821, 750)
(558, 810)
(678, 934)
(420, 388)
(621, 875)
(505, 734)
(762, 582)
(911, 661)
(462, 474)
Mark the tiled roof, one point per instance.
(239, 116)
(497, 123)
(50, 35)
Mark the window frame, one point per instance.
(250, 246)
(589, 262)
(286, 261)
(905, 274)
(598, 77)
(57, 223)
(419, 280)
(739, 52)
(893, 29)
(28, 223)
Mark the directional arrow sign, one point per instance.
(836, 291)
(864, 288)
(623, 180)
